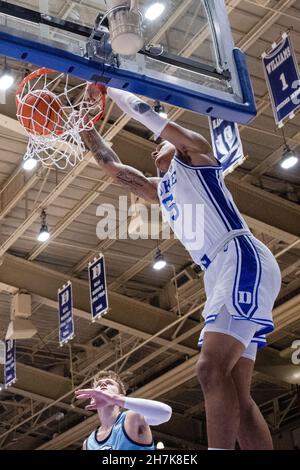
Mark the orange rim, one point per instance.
(45, 71)
(31, 76)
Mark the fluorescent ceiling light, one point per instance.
(159, 261)
(44, 235)
(6, 81)
(29, 164)
(154, 11)
(289, 162)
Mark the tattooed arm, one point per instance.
(127, 176)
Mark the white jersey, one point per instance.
(200, 209)
(244, 275)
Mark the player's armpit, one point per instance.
(137, 429)
(191, 147)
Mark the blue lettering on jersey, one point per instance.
(171, 206)
(167, 186)
(168, 202)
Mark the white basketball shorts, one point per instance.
(243, 331)
(243, 280)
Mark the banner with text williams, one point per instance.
(283, 79)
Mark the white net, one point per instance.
(54, 111)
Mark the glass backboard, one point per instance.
(188, 58)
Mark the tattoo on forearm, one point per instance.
(138, 184)
(126, 176)
(99, 148)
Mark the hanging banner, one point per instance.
(227, 144)
(98, 288)
(283, 79)
(65, 314)
(10, 362)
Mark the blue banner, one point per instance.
(283, 79)
(10, 362)
(65, 314)
(226, 142)
(98, 288)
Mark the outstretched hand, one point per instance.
(98, 398)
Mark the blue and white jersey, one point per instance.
(242, 273)
(199, 208)
(117, 439)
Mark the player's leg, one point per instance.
(253, 433)
(223, 342)
(218, 356)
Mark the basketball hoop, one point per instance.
(54, 111)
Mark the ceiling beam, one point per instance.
(265, 207)
(268, 229)
(41, 382)
(44, 399)
(265, 23)
(16, 273)
(142, 263)
(272, 159)
(70, 217)
(45, 203)
(11, 200)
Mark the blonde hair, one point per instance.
(110, 374)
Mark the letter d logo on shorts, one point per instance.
(245, 297)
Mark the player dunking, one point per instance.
(242, 278)
(127, 430)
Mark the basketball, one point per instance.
(40, 113)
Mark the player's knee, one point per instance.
(210, 374)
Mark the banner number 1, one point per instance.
(284, 83)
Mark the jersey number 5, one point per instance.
(171, 206)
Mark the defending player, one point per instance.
(127, 430)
